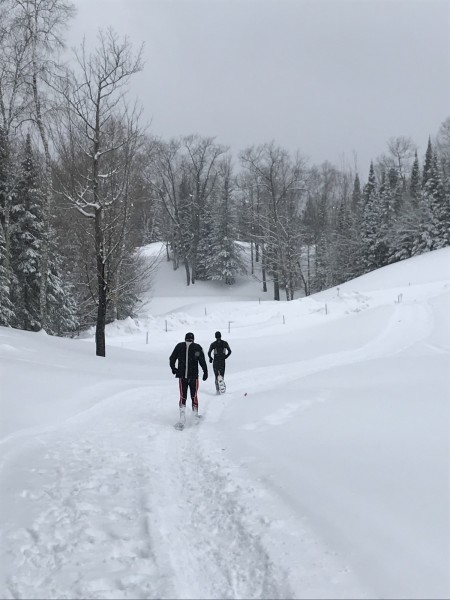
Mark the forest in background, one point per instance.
(84, 184)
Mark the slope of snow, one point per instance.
(323, 472)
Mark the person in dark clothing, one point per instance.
(221, 351)
(184, 361)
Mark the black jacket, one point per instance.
(195, 356)
(220, 349)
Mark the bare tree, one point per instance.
(183, 174)
(105, 131)
(402, 150)
(282, 179)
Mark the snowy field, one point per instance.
(323, 472)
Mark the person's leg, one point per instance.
(183, 383)
(219, 367)
(193, 385)
(216, 372)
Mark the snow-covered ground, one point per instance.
(323, 472)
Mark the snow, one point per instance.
(323, 472)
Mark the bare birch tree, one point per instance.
(104, 130)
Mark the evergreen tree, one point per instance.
(224, 255)
(357, 204)
(439, 206)
(371, 224)
(428, 164)
(62, 317)
(26, 243)
(6, 308)
(415, 186)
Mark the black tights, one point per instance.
(192, 384)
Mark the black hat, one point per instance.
(218, 335)
(189, 337)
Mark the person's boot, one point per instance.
(182, 414)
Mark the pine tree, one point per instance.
(224, 254)
(26, 243)
(62, 313)
(357, 206)
(371, 238)
(415, 185)
(439, 205)
(428, 164)
(6, 308)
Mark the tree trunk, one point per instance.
(48, 194)
(100, 345)
(263, 270)
(276, 282)
(188, 274)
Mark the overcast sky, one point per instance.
(329, 78)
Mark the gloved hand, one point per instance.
(205, 376)
(210, 360)
(174, 371)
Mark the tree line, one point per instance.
(84, 185)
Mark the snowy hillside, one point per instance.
(323, 472)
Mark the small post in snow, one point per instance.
(146, 338)
(166, 325)
(326, 309)
(205, 311)
(284, 321)
(229, 323)
(338, 292)
(399, 298)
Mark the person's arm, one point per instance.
(211, 348)
(227, 346)
(202, 361)
(172, 359)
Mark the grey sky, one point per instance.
(326, 77)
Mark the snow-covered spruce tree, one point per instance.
(415, 187)
(427, 207)
(373, 231)
(207, 239)
(62, 310)
(6, 308)
(355, 265)
(428, 164)
(439, 202)
(27, 232)
(347, 245)
(40, 26)
(223, 257)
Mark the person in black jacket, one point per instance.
(184, 361)
(221, 351)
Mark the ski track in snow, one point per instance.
(117, 526)
(109, 520)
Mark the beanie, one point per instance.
(218, 335)
(189, 337)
